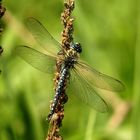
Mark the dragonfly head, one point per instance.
(77, 47)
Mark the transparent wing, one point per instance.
(86, 92)
(41, 34)
(37, 59)
(98, 79)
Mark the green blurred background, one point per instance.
(109, 32)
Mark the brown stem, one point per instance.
(56, 120)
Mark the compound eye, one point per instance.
(78, 47)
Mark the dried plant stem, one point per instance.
(67, 23)
(56, 120)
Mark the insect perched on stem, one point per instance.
(83, 78)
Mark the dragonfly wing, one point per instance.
(41, 34)
(86, 92)
(98, 79)
(38, 60)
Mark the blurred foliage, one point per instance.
(109, 32)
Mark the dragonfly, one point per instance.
(83, 79)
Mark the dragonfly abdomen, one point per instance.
(60, 87)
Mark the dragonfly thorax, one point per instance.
(72, 55)
(69, 62)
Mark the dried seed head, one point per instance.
(67, 21)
